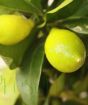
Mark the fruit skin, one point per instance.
(14, 28)
(64, 50)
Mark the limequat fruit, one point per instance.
(64, 50)
(14, 28)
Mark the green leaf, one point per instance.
(35, 3)
(57, 86)
(65, 12)
(18, 5)
(79, 25)
(28, 76)
(8, 87)
(55, 102)
(72, 102)
(62, 5)
(4, 10)
(81, 85)
(82, 10)
(13, 55)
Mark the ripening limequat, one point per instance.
(64, 50)
(14, 28)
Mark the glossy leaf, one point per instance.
(62, 5)
(18, 5)
(82, 10)
(13, 55)
(4, 10)
(57, 86)
(35, 3)
(8, 87)
(28, 76)
(79, 25)
(81, 85)
(66, 11)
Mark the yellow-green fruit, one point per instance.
(64, 50)
(14, 28)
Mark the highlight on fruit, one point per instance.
(64, 50)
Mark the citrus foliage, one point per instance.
(38, 82)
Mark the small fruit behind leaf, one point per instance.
(14, 28)
(65, 50)
(8, 88)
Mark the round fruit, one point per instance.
(14, 28)
(64, 50)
